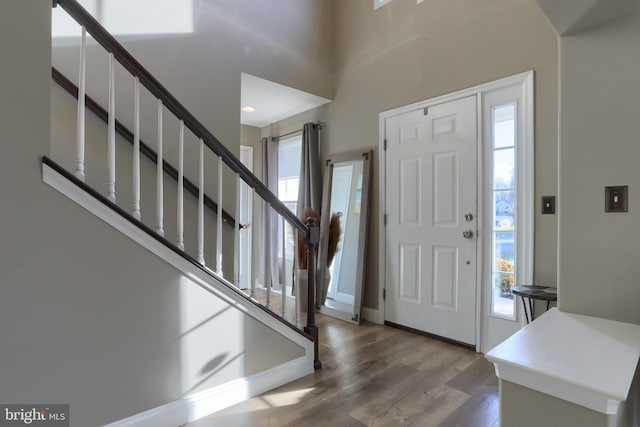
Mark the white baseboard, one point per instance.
(205, 403)
(372, 315)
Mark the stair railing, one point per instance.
(187, 122)
(124, 132)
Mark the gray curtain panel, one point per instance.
(310, 190)
(271, 271)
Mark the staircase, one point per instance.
(194, 250)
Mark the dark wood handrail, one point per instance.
(145, 149)
(106, 40)
(126, 215)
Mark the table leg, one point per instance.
(524, 305)
(532, 306)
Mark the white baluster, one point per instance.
(111, 134)
(236, 236)
(180, 216)
(159, 178)
(81, 107)
(283, 285)
(201, 205)
(296, 281)
(136, 149)
(252, 282)
(219, 222)
(268, 257)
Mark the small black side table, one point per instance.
(534, 292)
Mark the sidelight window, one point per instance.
(504, 208)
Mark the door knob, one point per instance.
(467, 234)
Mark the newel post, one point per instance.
(312, 239)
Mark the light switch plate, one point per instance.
(548, 205)
(615, 199)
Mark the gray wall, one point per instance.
(524, 407)
(404, 53)
(87, 316)
(600, 252)
(63, 136)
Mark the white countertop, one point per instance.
(585, 360)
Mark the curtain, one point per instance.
(310, 190)
(271, 265)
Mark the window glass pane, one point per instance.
(504, 126)
(288, 189)
(504, 245)
(503, 282)
(288, 235)
(289, 158)
(504, 210)
(504, 168)
(502, 297)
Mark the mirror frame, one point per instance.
(367, 157)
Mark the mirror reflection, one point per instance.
(345, 199)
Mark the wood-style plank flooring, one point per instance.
(375, 375)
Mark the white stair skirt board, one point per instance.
(205, 403)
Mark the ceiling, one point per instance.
(273, 102)
(572, 16)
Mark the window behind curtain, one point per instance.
(289, 159)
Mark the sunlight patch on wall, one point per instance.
(203, 316)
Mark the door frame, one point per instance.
(249, 150)
(525, 190)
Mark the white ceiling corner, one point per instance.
(273, 102)
(570, 16)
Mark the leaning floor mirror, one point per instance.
(345, 198)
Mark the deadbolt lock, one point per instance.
(468, 217)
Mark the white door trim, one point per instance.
(249, 150)
(525, 79)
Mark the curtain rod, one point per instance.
(319, 124)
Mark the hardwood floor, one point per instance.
(375, 375)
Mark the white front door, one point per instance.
(431, 208)
(245, 218)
